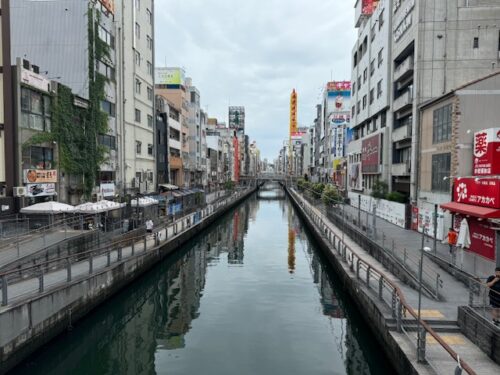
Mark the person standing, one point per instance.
(493, 282)
(452, 239)
(149, 226)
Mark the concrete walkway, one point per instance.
(435, 312)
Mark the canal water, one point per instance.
(251, 295)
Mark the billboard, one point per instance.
(170, 76)
(483, 192)
(109, 5)
(370, 155)
(340, 93)
(355, 179)
(237, 118)
(293, 112)
(486, 152)
(36, 176)
(40, 190)
(107, 189)
(482, 239)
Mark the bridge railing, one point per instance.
(405, 318)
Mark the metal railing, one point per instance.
(386, 290)
(408, 260)
(60, 270)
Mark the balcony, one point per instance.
(401, 169)
(173, 143)
(401, 133)
(403, 101)
(175, 162)
(404, 70)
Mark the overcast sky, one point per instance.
(253, 53)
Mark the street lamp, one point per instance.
(420, 333)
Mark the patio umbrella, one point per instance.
(48, 208)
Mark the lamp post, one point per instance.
(420, 331)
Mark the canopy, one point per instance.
(169, 186)
(469, 209)
(143, 202)
(48, 208)
(97, 207)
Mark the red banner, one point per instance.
(338, 86)
(482, 239)
(368, 6)
(486, 152)
(479, 192)
(370, 155)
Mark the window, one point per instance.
(138, 147)
(150, 93)
(137, 31)
(137, 115)
(137, 58)
(383, 120)
(105, 69)
(440, 170)
(364, 102)
(475, 43)
(379, 89)
(149, 16)
(353, 110)
(372, 67)
(372, 95)
(106, 37)
(441, 124)
(108, 141)
(358, 107)
(138, 4)
(150, 149)
(109, 108)
(359, 82)
(37, 158)
(365, 75)
(150, 121)
(149, 41)
(150, 68)
(380, 58)
(372, 33)
(380, 20)
(355, 59)
(35, 110)
(353, 88)
(138, 85)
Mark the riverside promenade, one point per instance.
(391, 304)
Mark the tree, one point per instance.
(380, 189)
(330, 195)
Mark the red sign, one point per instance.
(338, 86)
(482, 239)
(479, 192)
(486, 152)
(368, 6)
(370, 155)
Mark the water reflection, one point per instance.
(228, 303)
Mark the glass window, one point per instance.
(138, 147)
(36, 103)
(150, 121)
(441, 124)
(25, 99)
(137, 115)
(150, 68)
(440, 170)
(150, 149)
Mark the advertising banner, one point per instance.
(35, 80)
(108, 189)
(486, 152)
(483, 192)
(355, 179)
(370, 155)
(368, 6)
(35, 176)
(293, 112)
(40, 190)
(482, 239)
(169, 76)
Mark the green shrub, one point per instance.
(318, 189)
(229, 185)
(330, 195)
(380, 189)
(396, 196)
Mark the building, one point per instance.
(162, 141)
(175, 145)
(452, 168)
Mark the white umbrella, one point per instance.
(143, 202)
(48, 208)
(98, 207)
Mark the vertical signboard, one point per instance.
(368, 7)
(340, 114)
(486, 152)
(370, 155)
(237, 118)
(293, 113)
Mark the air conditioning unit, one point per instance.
(19, 191)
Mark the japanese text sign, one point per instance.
(486, 152)
(479, 192)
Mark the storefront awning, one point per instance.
(468, 209)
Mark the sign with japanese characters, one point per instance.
(370, 155)
(486, 152)
(40, 190)
(482, 239)
(478, 191)
(33, 176)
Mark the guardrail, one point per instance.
(386, 291)
(64, 269)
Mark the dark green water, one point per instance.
(250, 296)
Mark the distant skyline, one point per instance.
(254, 54)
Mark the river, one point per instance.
(250, 295)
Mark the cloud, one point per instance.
(254, 53)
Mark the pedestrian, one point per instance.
(493, 282)
(149, 226)
(452, 240)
